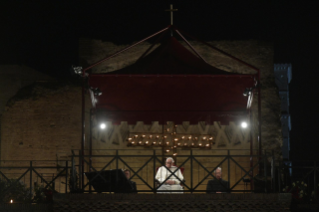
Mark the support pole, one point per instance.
(31, 181)
(259, 118)
(83, 128)
(251, 152)
(66, 176)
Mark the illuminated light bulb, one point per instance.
(183, 137)
(174, 146)
(176, 139)
(133, 142)
(178, 144)
(190, 137)
(135, 136)
(211, 138)
(159, 143)
(193, 144)
(143, 136)
(154, 142)
(196, 138)
(185, 144)
(204, 138)
(129, 139)
(151, 136)
(157, 136)
(167, 150)
(174, 154)
(244, 125)
(167, 129)
(102, 126)
(200, 144)
(165, 136)
(11, 201)
(207, 145)
(167, 143)
(146, 142)
(140, 142)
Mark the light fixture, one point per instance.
(96, 91)
(102, 126)
(244, 124)
(169, 142)
(77, 69)
(11, 201)
(247, 92)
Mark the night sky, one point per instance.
(44, 35)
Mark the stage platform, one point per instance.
(253, 202)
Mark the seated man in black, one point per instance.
(127, 173)
(217, 185)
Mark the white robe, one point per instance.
(162, 174)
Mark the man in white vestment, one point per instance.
(172, 182)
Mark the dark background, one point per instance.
(44, 35)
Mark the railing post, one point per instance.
(228, 152)
(315, 181)
(81, 184)
(73, 172)
(279, 178)
(31, 181)
(191, 171)
(66, 176)
(117, 164)
(265, 170)
(273, 172)
(154, 168)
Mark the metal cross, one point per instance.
(171, 10)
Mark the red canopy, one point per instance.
(171, 84)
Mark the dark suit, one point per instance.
(128, 187)
(133, 185)
(215, 185)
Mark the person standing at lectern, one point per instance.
(172, 181)
(217, 185)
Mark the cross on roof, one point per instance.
(171, 10)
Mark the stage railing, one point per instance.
(198, 168)
(49, 175)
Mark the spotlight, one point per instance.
(244, 124)
(247, 92)
(96, 91)
(103, 126)
(77, 69)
